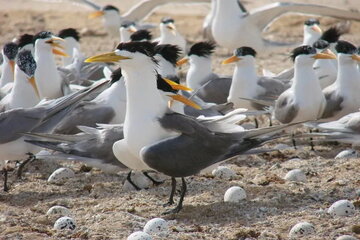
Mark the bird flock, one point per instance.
(130, 110)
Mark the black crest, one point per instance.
(164, 86)
(110, 7)
(302, 50)
(25, 39)
(42, 35)
(171, 53)
(311, 22)
(243, 51)
(26, 62)
(331, 35)
(321, 44)
(115, 76)
(166, 20)
(141, 35)
(202, 49)
(69, 32)
(126, 24)
(345, 47)
(146, 48)
(10, 50)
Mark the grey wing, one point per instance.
(273, 88)
(215, 90)
(88, 3)
(333, 104)
(265, 15)
(285, 109)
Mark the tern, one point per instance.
(234, 26)
(71, 44)
(170, 35)
(126, 29)
(325, 69)
(312, 31)
(9, 52)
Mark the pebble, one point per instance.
(63, 211)
(139, 236)
(342, 208)
(61, 175)
(155, 226)
(65, 223)
(301, 229)
(346, 237)
(295, 175)
(224, 172)
(234, 194)
(348, 153)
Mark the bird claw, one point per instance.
(172, 211)
(169, 203)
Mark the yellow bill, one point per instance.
(316, 28)
(106, 57)
(182, 61)
(59, 52)
(356, 57)
(177, 86)
(96, 14)
(171, 27)
(231, 60)
(132, 29)
(323, 55)
(12, 65)
(184, 100)
(33, 84)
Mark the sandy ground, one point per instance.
(104, 210)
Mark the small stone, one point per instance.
(139, 236)
(224, 173)
(234, 194)
(61, 175)
(295, 175)
(346, 237)
(282, 146)
(63, 211)
(65, 223)
(155, 226)
(342, 208)
(301, 229)
(348, 153)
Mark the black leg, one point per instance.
(311, 142)
(270, 121)
(155, 182)
(173, 189)
(128, 178)
(6, 188)
(293, 140)
(256, 122)
(22, 165)
(180, 204)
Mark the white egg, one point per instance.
(301, 229)
(65, 223)
(295, 175)
(348, 153)
(346, 237)
(139, 236)
(156, 225)
(58, 210)
(60, 175)
(234, 194)
(223, 173)
(342, 208)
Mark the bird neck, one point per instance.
(228, 9)
(124, 35)
(348, 73)
(70, 44)
(245, 72)
(304, 77)
(7, 74)
(200, 69)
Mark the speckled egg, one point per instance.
(155, 226)
(223, 172)
(348, 153)
(139, 236)
(61, 175)
(346, 237)
(234, 194)
(65, 223)
(342, 208)
(58, 210)
(295, 175)
(301, 229)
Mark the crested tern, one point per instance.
(72, 42)
(9, 53)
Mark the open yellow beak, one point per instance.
(316, 28)
(177, 86)
(184, 100)
(182, 61)
(12, 65)
(33, 84)
(325, 55)
(171, 27)
(356, 57)
(106, 57)
(132, 29)
(96, 14)
(231, 60)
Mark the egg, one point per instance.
(295, 175)
(139, 236)
(223, 173)
(342, 208)
(234, 194)
(58, 210)
(301, 229)
(60, 175)
(348, 153)
(65, 223)
(155, 226)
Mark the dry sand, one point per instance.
(103, 210)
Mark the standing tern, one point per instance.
(126, 29)
(342, 97)
(170, 35)
(233, 26)
(304, 100)
(209, 86)
(312, 31)
(159, 139)
(9, 52)
(71, 44)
